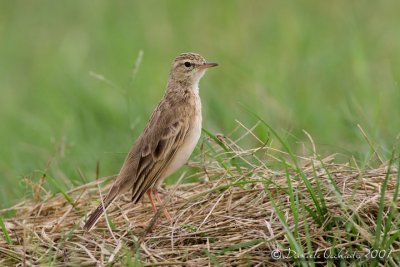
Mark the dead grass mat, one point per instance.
(229, 221)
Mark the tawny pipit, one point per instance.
(167, 141)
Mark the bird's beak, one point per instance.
(208, 65)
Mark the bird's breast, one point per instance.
(183, 153)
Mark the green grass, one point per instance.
(323, 67)
(5, 231)
(309, 210)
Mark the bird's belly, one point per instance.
(183, 154)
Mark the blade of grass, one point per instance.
(310, 250)
(392, 210)
(136, 65)
(242, 245)
(321, 213)
(235, 160)
(292, 240)
(111, 223)
(213, 258)
(5, 232)
(319, 191)
(215, 139)
(130, 260)
(294, 205)
(216, 157)
(380, 215)
(222, 145)
(58, 186)
(129, 101)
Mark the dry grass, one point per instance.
(235, 216)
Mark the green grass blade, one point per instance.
(233, 161)
(283, 143)
(391, 215)
(380, 215)
(310, 250)
(60, 189)
(321, 213)
(131, 260)
(294, 205)
(213, 258)
(292, 240)
(216, 157)
(5, 232)
(319, 191)
(216, 140)
(111, 223)
(243, 245)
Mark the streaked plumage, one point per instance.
(169, 138)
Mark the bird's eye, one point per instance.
(187, 64)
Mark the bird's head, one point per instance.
(189, 68)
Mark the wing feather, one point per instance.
(157, 171)
(159, 147)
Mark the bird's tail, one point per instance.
(120, 187)
(95, 215)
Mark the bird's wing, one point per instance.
(149, 156)
(154, 150)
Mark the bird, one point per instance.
(167, 141)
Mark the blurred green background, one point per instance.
(315, 65)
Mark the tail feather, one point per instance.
(94, 217)
(115, 190)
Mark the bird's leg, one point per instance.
(160, 202)
(148, 192)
